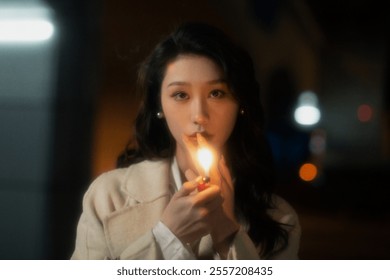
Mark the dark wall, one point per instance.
(76, 89)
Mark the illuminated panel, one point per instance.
(25, 30)
(25, 24)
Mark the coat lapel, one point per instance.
(147, 191)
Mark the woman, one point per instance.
(199, 90)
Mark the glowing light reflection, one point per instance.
(24, 30)
(307, 115)
(307, 112)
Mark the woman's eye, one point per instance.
(217, 93)
(180, 95)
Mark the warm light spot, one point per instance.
(205, 159)
(308, 172)
(364, 113)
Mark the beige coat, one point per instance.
(122, 206)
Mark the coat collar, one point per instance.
(148, 180)
(147, 185)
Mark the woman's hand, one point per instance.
(223, 223)
(227, 192)
(189, 211)
(224, 233)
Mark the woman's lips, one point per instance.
(204, 134)
(194, 140)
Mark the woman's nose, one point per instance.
(199, 112)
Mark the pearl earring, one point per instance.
(160, 115)
(242, 111)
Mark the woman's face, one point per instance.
(195, 97)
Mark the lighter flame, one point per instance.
(205, 158)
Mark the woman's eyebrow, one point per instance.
(217, 81)
(178, 83)
(211, 82)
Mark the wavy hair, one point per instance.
(248, 152)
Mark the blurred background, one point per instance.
(67, 104)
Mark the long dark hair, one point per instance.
(248, 152)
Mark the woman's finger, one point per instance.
(207, 195)
(224, 171)
(202, 142)
(187, 188)
(190, 175)
(192, 149)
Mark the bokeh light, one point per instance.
(308, 172)
(364, 113)
(307, 112)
